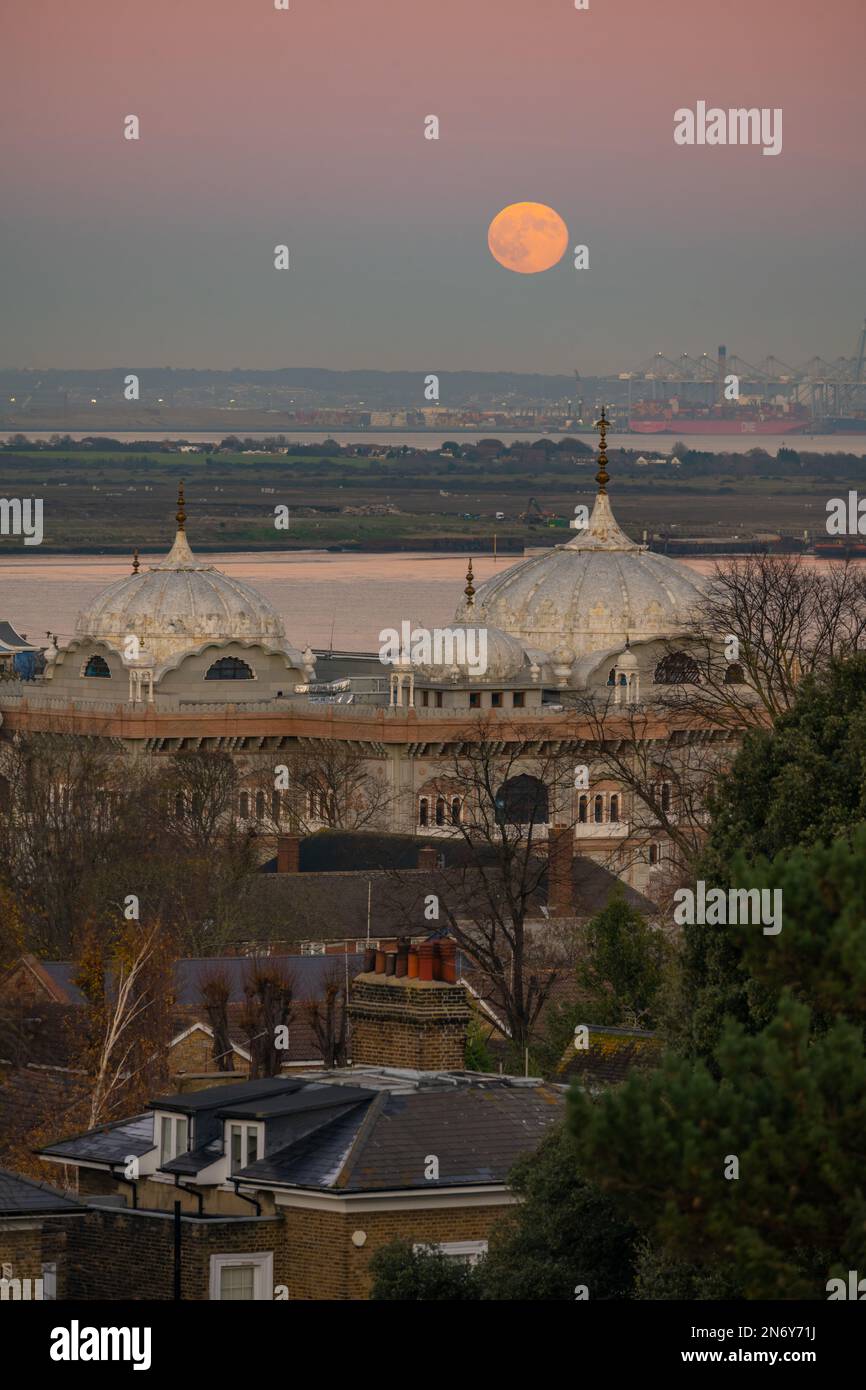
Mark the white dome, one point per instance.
(179, 605)
(590, 593)
(505, 655)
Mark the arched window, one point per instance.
(244, 805)
(734, 675)
(611, 676)
(522, 800)
(229, 668)
(666, 796)
(677, 668)
(276, 806)
(653, 854)
(455, 811)
(97, 666)
(623, 678)
(598, 809)
(423, 811)
(582, 809)
(614, 809)
(440, 810)
(260, 805)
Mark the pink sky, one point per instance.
(260, 126)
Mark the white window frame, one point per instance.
(174, 1122)
(467, 1251)
(244, 1126)
(263, 1275)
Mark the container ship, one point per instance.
(670, 417)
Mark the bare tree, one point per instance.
(510, 788)
(328, 1017)
(764, 623)
(126, 1019)
(269, 992)
(215, 994)
(330, 784)
(666, 761)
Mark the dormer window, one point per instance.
(173, 1137)
(97, 666)
(245, 1144)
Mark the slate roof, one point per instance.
(327, 904)
(23, 1197)
(109, 1143)
(309, 974)
(477, 1129)
(613, 1053)
(384, 1125)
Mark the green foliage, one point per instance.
(622, 968)
(659, 1276)
(547, 1050)
(802, 782)
(402, 1274)
(791, 1110)
(564, 1233)
(477, 1055)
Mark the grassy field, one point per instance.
(110, 502)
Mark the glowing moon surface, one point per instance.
(527, 237)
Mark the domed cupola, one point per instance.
(585, 594)
(179, 605)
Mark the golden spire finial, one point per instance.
(601, 476)
(180, 516)
(136, 564)
(469, 591)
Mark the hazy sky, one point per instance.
(306, 127)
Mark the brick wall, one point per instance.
(408, 1023)
(130, 1255)
(194, 1053)
(43, 1242)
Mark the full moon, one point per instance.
(527, 237)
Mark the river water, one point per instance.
(325, 600)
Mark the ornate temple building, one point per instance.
(178, 656)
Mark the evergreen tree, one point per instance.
(622, 966)
(800, 783)
(752, 1158)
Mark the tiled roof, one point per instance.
(612, 1054)
(23, 1197)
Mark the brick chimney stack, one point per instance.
(560, 859)
(288, 854)
(412, 1013)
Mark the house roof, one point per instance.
(323, 905)
(108, 1144)
(309, 974)
(363, 1129)
(23, 1197)
(611, 1055)
(476, 1127)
